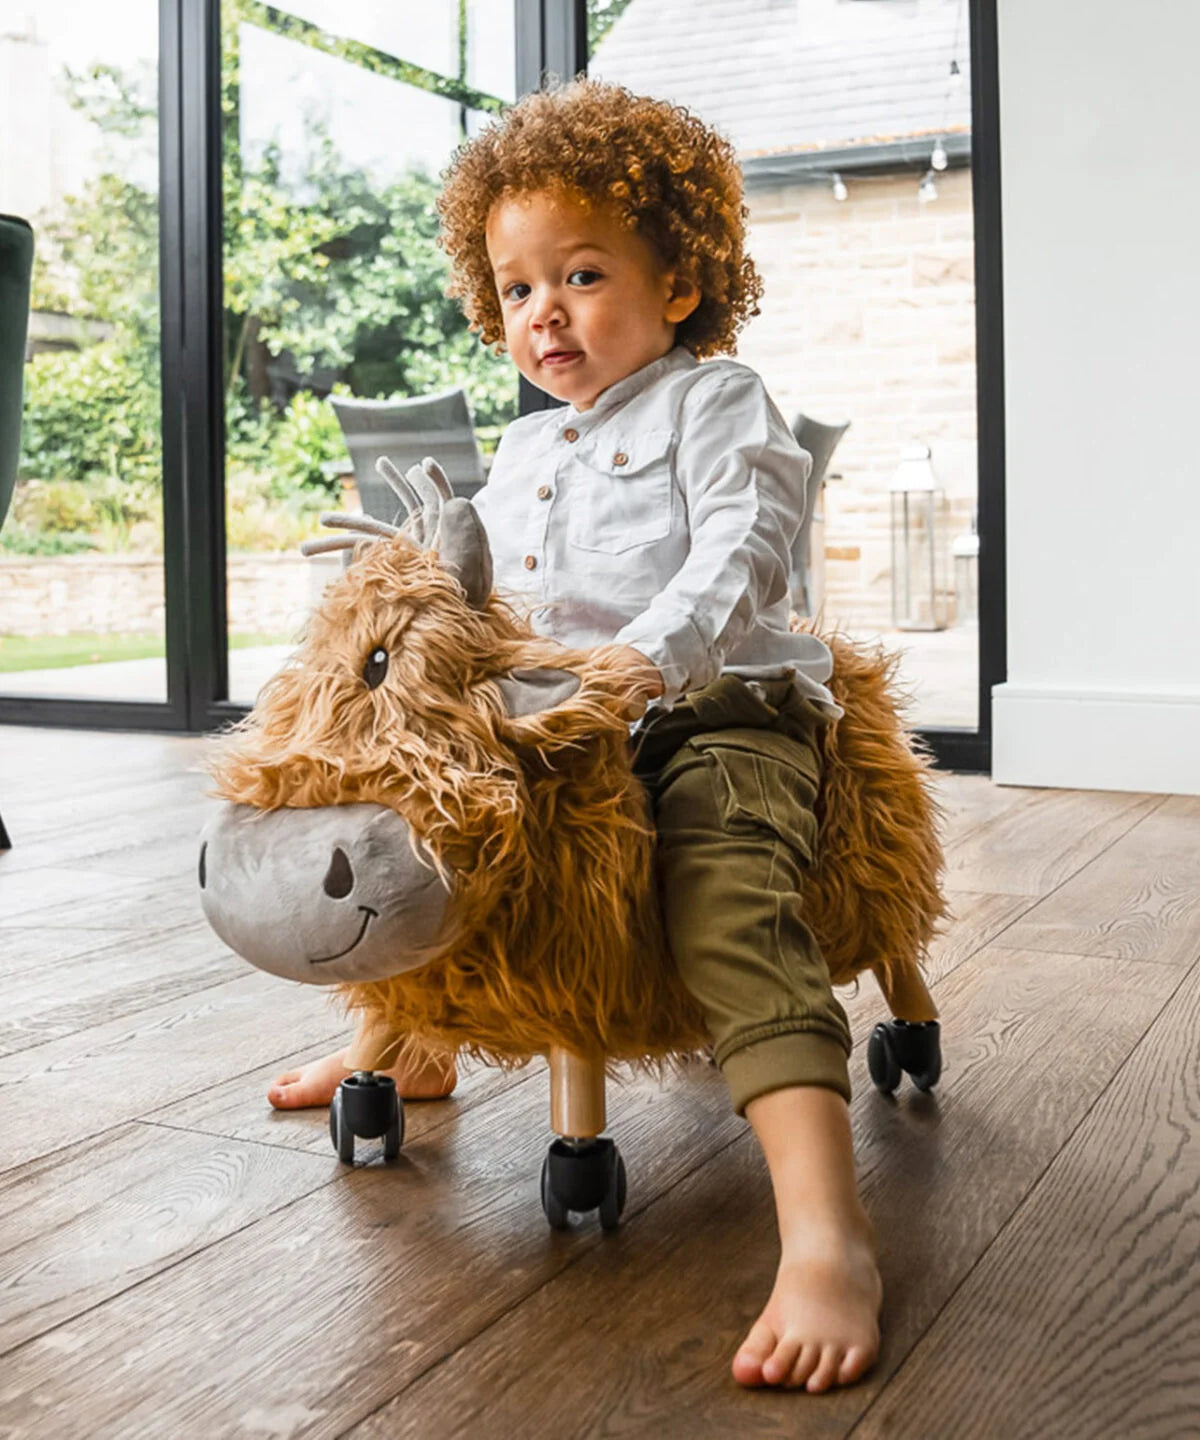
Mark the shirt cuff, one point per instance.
(681, 657)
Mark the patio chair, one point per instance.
(16, 268)
(406, 431)
(820, 441)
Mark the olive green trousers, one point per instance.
(732, 772)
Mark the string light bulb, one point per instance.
(927, 190)
(839, 187)
(939, 159)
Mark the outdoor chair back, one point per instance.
(406, 431)
(16, 268)
(820, 441)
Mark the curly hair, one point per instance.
(656, 166)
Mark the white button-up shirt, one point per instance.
(661, 518)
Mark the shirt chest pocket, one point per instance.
(624, 493)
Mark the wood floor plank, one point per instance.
(239, 1109)
(970, 801)
(1088, 1305)
(107, 902)
(117, 980)
(307, 1320)
(976, 922)
(1032, 848)
(637, 1339)
(1139, 900)
(61, 1092)
(32, 946)
(84, 1225)
(51, 890)
(70, 828)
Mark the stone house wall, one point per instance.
(868, 315)
(123, 594)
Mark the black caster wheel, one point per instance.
(366, 1106)
(613, 1203)
(881, 1060)
(582, 1176)
(911, 1047)
(552, 1207)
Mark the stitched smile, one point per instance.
(368, 915)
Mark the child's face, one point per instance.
(571, 279)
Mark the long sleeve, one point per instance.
(744, 481)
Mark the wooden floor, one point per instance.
(177, 1260)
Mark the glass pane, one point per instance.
(852, 123)
(334, 285)
(81, 577)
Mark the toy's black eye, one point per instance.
(376, 667)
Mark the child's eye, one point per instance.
(511, 292)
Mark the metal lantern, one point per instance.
(917, 562)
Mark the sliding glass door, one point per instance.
(82, 604)
(336, 126)
(853, 127)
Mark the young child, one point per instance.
(599, 236)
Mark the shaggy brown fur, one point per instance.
(541, 824)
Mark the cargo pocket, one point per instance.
(764, 782)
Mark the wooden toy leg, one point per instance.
(907, 995)
(582, 1171)
(576, 1094)
(911, 1043)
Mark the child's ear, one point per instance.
(683, 299)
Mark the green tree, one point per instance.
(336, 272)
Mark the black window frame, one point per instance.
(551, 39)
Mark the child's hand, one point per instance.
(645, 676)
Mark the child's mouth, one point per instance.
(562, 357)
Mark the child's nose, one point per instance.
(548, 310)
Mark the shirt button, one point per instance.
(620, 458)
(570, 434)
(543, 492)
(531, 562)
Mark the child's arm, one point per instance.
(745, 481)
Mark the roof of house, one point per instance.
(785, 77)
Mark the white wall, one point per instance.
(1100, 111)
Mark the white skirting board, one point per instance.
(1097, 739)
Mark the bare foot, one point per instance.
(315, 1083)
(820, 1326)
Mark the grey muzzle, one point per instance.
(321, 895)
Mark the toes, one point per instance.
(748, 1362)
(857, 1362)
(826, 1370)
(781, 1362)
(285, 1094)
(805, 1365)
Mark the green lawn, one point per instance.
(61, 652)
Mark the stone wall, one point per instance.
(869, 316)
(123, 594)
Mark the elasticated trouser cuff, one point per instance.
(794, 1057)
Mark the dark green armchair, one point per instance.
(16, 268)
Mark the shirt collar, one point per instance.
(678, 358)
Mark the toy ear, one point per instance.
(462, 546)
(529, 692)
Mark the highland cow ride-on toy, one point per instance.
(434, 809)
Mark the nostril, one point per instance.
(339, 878)
(203, 871)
